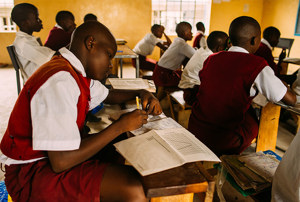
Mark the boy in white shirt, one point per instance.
(29, 51)
(146, 46)
(167, 71)
(190, 81)
(199, 41)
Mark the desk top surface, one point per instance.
(125, 52)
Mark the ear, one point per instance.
(89, 42)
(252, 42)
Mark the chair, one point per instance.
(285, 43)
(17, 65)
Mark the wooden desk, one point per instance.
(124, 52)
(179, 184)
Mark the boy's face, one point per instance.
(159, 32)
(274, 39)
(99, 61)
(69, 25)
(34, 22)
(188, 35)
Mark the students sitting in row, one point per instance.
(167, 71)
(90, 17)
(146, 46)
(222, 117)
(199, 41)
(60, 35)
(30, 52)
(190, 82)
(47, 156)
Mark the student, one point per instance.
(146, 46)
(28, 50)
(199, 40)
(270, 39)
(167, 71)
(60, 35)
(47, 157)
(90, 17)
(286, 181)
(190, 82)
(222, 117)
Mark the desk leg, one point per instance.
(137, 69)
(121, 68)
(175, 198)
(268, 127)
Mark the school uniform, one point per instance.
(145, 47)
(167, 71)
(222, 117)
(58, 38)
(199, 41)
(49, 116)
(296, 87)
(30, 53)
(286, 181)
(265, 51)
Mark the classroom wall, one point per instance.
(127, 20)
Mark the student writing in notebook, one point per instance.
(190, 82)
(46, 153)
(29, 51)
(60, 35)
(167, 71)
(146, 46)
(222, 117)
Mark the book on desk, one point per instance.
(131, 84)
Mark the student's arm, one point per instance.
(168, 39)
(149, 102)
(63, 160)
(162, 46)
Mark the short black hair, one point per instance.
(215, 39)
(239, 29)
(200, 26)
(269, 32)
(21, 11)
(90, 17)
(155, 27)
(62, 15)
(181, 28)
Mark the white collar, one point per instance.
(264, 41)
(24, 34)
(59, 27)
(238, 49)
(179, 39)
(200, 32)
(75, 62)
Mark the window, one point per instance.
(170, 12)
(6, 24)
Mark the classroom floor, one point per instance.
(8, 91)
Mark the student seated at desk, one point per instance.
(190, 82)
(167, 71)
(222, 117)
(199, 41)
(90, 17)
(29, 51)
(286, 181)
(47, 156)
(60, 35)
(146, 46)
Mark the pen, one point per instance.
(138, 102)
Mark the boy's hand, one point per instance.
(150, 103)
(133, 120)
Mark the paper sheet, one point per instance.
(129, 84)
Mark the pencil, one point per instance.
(137, 102)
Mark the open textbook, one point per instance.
(131, 84)
(159, 150)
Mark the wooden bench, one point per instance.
(179, 184)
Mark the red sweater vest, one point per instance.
(57, 39)
(197, 39)
(223, 97)
(17, 140)
(265, 52)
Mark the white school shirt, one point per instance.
(54, 111)
(175, 54)
(30, 53)
(266, 82)
(190, 74)
(146, 45)
(202, 41)
(286, 181)
(264, 41)
(296, 87)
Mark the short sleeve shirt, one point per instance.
(146, 45)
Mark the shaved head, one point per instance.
(182, 27)
(242, 30)
(216, 39)
(21, 12)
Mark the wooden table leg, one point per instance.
(268, 127)
(176, 198)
